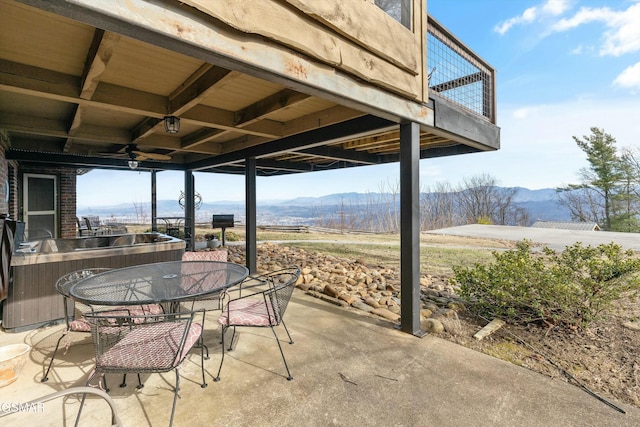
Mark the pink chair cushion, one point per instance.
(152, 346)
(144, 310)
(198, 278)
(81, 324)
(247, 312)
(205, 256)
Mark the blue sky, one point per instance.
(563, 66)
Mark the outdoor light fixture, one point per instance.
(133, 164)
(171, 124)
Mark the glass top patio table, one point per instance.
(163, 282)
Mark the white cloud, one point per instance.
(556, 7)
(524, 112)
(630, 77)
(624, 36)
(583, 16)
(527, 16)
(548, 8)
(623, 28)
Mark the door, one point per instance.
(39, 206)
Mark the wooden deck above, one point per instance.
(300, 85)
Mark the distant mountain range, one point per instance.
(541, 205)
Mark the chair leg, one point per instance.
(204, 380)
(289, 378)
(46, 374)
(203, 347)
(175, 397)
(124, 382)
(288, 334)
(140, 385)
(233, 336)
(217, 378)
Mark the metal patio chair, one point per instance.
(264, 306)
(74, 312)
(211, 302)
(143, 344)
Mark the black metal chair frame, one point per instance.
(63, 284)
(145, 337)
(271, 301)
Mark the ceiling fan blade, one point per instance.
(141, 155)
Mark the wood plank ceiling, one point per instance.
(83, 95)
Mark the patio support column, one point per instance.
(410, 228)
(250, 214)
(189, 210)
(154, 202)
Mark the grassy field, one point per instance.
(438, 253)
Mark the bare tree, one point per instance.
(438, 207)
(140, 209)
(481, 200)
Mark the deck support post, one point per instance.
(410, 228)
(189, 210)
(250, 213)
(154, 201)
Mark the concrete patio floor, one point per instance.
(349, 370)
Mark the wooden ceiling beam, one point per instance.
(278, 101)
(335, 153)
(34, 125)
(145, 128)
(224, 119)
(102, 47)
(322, 118)
(313, 138)
(280, 165)
(197, 87)
(59, 129)
(251, 118)
(38, 82)
(41, 83)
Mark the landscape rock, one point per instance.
(362, 306)
(433, 326)
(383, 312)
(351, 283)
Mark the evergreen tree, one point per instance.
(603, 177)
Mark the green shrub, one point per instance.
(572, 288)
(484, 220)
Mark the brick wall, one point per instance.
(11, 173)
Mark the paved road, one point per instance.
(553, 238)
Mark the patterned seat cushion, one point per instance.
(145, 309)
(81, 324)
(247, 312)
(153, 346)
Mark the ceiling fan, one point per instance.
(138, 155)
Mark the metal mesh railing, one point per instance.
(458, 74)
